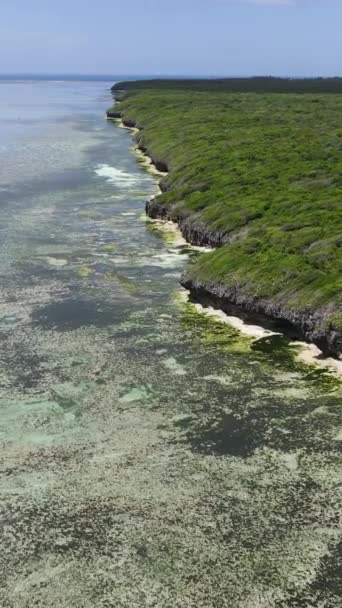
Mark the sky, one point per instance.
(172, 37)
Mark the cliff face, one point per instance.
(313, 323)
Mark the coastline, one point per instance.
(308, 353)
(321, 349)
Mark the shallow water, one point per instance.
(151, 456)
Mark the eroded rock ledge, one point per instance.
(194, 232)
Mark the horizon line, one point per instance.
(157, 76)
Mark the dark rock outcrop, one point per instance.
(129, 123)
(113, 114)
(193, 231)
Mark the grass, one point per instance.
(264, 169)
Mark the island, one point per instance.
(254, 171)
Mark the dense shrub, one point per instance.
(263, 168)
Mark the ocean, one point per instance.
(151, 454)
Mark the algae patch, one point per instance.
(85, 271)
(109, 247)
(210, 331)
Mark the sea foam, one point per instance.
(117, 176)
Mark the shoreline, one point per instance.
(308, 353)
(205, 297)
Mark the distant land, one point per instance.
(253, 84)
(98, 77)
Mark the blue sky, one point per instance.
(216, 37)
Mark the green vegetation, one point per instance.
(258, 84)
(264, 170)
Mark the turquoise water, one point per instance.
(151, 456)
